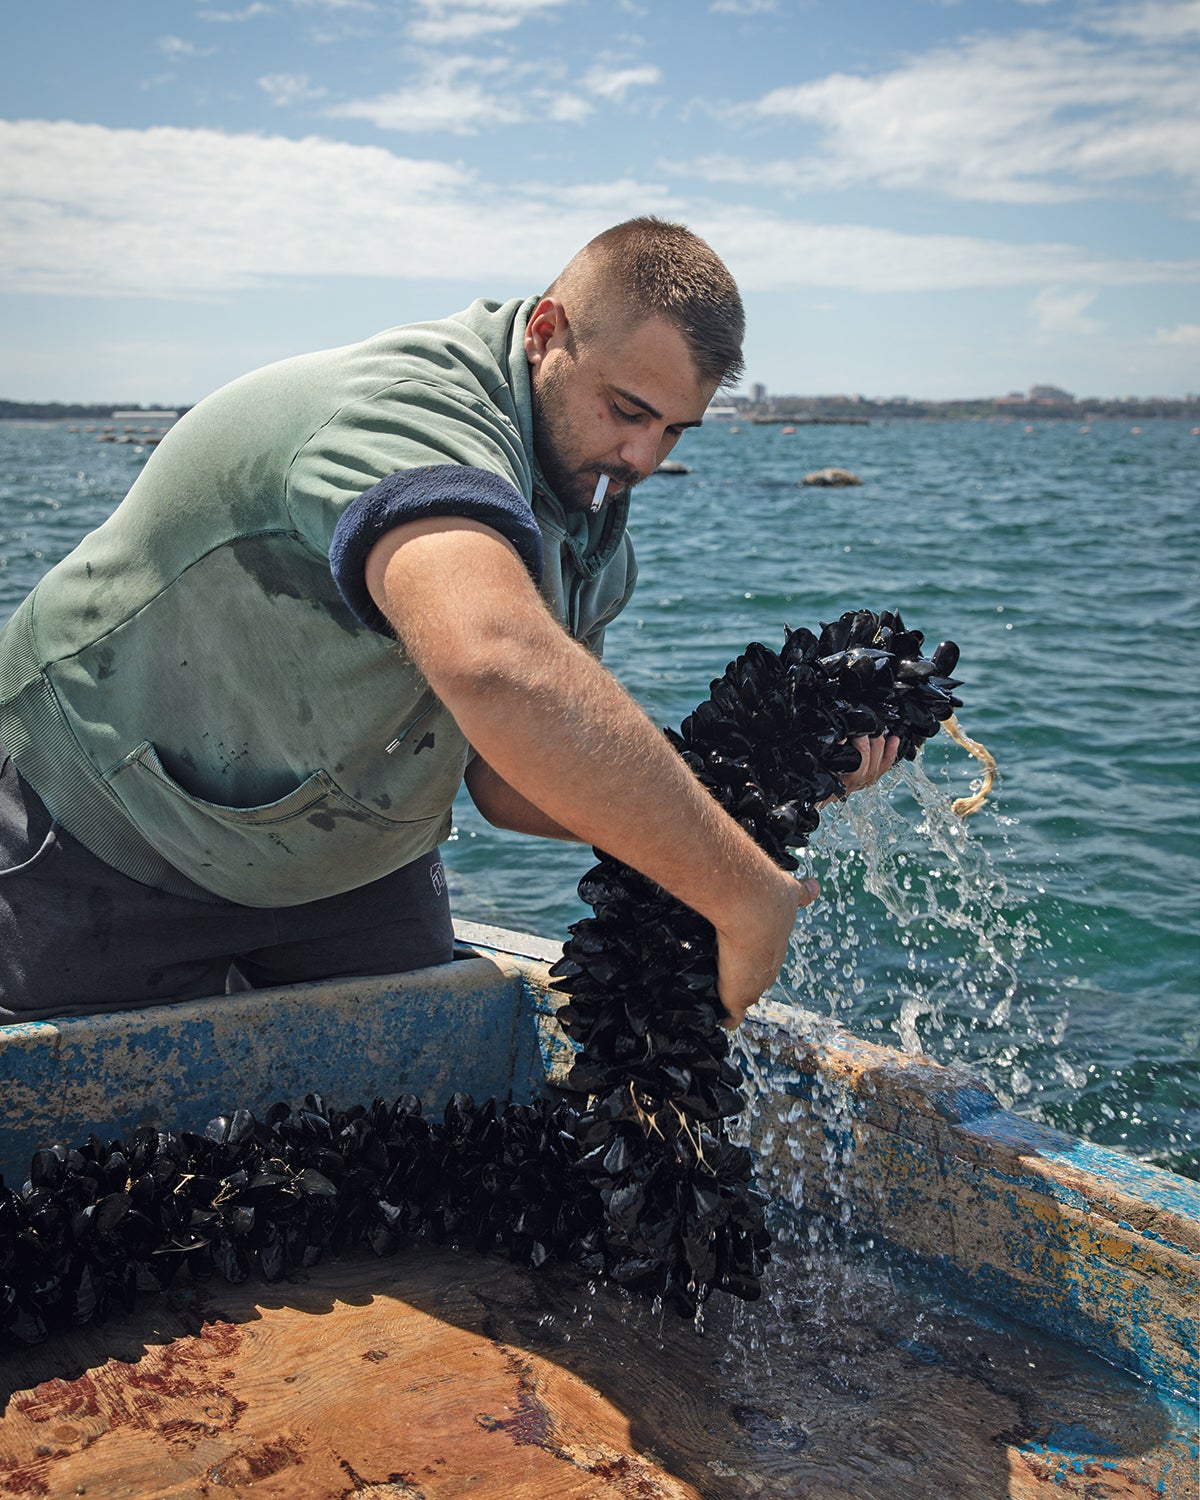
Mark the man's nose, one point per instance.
(640, 452)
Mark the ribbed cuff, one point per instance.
(412, 495)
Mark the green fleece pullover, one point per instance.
(210, 706)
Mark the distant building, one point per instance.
(758, 392)
(721, 413)
(1050, 394)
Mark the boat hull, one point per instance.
(855, 1143)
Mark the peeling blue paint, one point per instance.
(1074, 1437)
(351, 1039)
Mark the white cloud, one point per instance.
(720, 166)
(289, 88)
(446, 99)
(1061, 312)
(1153, 20)
(1028, 118)
(614, 83)
(743, 7)
(466, 20)
(199, 213)
(177, 46)
(1183, 335)
(770, 252)
(570, 109)
(249, 14)
(613, 199)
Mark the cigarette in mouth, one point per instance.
(598, 497)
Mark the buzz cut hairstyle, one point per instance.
(655, 268)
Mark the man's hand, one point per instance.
(750, 952)
(878, 755)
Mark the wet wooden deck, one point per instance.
(438, 1375)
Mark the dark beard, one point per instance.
(549, 442)
(553, 440)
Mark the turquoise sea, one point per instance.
(1054, 939)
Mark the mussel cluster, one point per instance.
(770, 743)
(95, 1224)
(641, 1183)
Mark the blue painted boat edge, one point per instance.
(1088, 1244)
(1089, 1175)
(1059, 1222)
(176, 1066)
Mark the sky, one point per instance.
(932, 198)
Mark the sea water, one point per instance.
(1053, 940)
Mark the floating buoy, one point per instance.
(786, 431)
(831, 477)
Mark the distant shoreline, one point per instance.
(846, 410)
(104, 411)
(796, 410)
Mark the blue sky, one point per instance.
(918, 197)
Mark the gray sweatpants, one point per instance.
(77, 937)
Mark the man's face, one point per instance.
(614, 405)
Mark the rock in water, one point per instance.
(831, 477)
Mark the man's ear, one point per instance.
(546, 330)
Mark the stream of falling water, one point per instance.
(918, 934)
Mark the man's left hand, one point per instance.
(878, 754)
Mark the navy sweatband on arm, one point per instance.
(414, 495)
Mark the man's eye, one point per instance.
(626, 416)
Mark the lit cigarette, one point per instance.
(598, 497)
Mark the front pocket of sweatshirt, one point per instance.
(311, 843)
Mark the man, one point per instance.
(237, 715)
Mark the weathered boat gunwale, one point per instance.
(1084, 1243)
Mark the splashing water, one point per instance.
(919, 933)
(916, 933)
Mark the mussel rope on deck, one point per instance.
(639, 1183)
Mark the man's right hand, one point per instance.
(751, 950)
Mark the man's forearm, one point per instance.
(558, 728)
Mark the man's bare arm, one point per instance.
(558, 729)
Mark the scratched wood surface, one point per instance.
(438, 1375)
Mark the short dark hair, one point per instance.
(652, 267)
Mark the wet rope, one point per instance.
(965, 806)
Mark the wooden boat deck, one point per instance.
(441, 1374)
